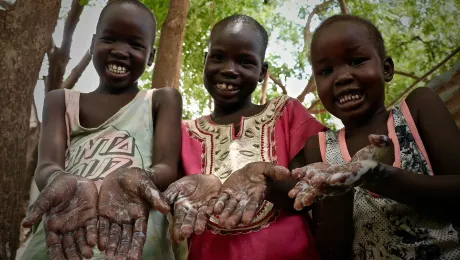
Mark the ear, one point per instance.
(388, 69)
(205, 56)
(151, 56)
(91, 48)
(263, 71)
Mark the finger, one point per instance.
(299, 187)
(103, 233)
(201, 220)
(189, 222)
(230, 206)
(153, 196)
(114, 239)
(53, 243)
(91, 232)
(220, 203)
(298, 173)
(69, 246)
(235, 218)
(125, 243)
(171, 193)
(179, 216)
(210, 207)
(304, 199)
(251, 208)
(138, 239)
(277, 172)
(82, 245)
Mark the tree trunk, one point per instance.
(167, 66)
(31, 164)
(23, 46)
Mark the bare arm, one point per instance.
(52, 145)
(332, 216)
(167, 110)
(441, 137)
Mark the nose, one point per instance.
(229, 70)
(343, 77)
(120, 51)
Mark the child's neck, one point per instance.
(104, 89)
(232, 114)
(372, 125)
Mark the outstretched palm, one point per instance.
(244, 191)
(68, 205)
(125, 198)
(190, 196)
(319, 180)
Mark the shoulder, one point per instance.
(55, 99)
(166, 95)
(423, 100)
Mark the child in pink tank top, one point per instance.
(398, 205)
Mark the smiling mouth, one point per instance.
(226, 87)
(117, 69)
(350, 98)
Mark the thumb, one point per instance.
(36, 211)
(277, 173)
(154, 197)
(171, 193)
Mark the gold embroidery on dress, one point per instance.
(223, 153)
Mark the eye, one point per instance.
(247, 62)
(137, 46)
(357, 61)
(217, 57)
(324, 71)
(107, 39)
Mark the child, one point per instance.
(406, 204)
(118, 138)
(241, 138)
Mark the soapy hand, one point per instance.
(243, 192)
(68, 205)
(125, 199)
(319, 180)
(190, 196)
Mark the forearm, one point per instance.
(45, 172)
(277, 193)
(432, 194)
(333, 226)
(163, 175)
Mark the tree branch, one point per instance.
(405, 92)
(408, 74)
(279, 83)
(59, 57)
(343, 7)
(314, 104)
(263, 93)
(310, 87)
(317, 111)
(306, 31)
(76, 72)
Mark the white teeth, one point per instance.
(349, 97)
(224, 86)
(117, 69)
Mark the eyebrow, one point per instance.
(349, 49)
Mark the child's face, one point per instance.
(233, 66)
(123, 45)
(350, 76)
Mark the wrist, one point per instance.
(379, 173)
(53, 176)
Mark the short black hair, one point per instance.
(374, 32)
(133, 2)
(248, 21)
